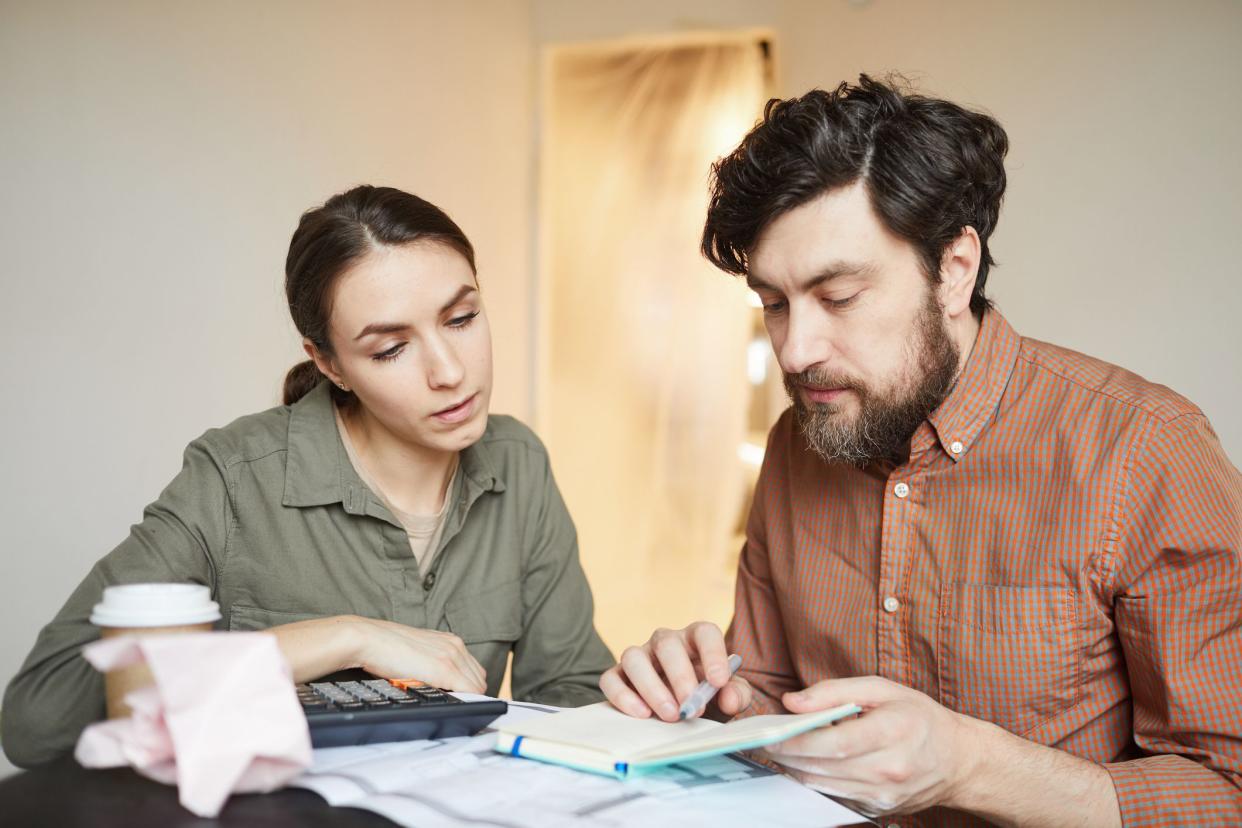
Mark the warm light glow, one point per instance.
(757, 361)
(641, 332)
(731, 119)
(750, 454)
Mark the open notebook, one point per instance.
(601, 739)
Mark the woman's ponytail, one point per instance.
(300, 380)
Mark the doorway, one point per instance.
(650, 390)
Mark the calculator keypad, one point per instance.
(328, 696)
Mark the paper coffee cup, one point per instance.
(148, 609)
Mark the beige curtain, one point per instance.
(643, 390)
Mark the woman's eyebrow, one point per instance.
(382, 327)
(462, 293)
(398, 327)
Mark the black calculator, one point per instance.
(355, 708)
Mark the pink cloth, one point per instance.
(222, 716)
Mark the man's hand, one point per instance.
(659, 675)
(905, 753)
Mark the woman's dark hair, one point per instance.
(330, 239)
(930, 167)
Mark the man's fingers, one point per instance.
(866, 692)
(875, 777)
(851, 794)
(827, 768)
(708, 643)
(843, 740)
(622, 695)
(642, 675)
(670, 649)
(735, 696)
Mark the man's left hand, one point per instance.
(903, 754)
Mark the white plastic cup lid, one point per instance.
(155, 605)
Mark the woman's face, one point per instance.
(413, 344)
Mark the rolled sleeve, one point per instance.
(1173, 790)
(1178, 610)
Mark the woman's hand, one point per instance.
(384, 648)
(391, 650)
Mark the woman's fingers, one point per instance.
(438, 658)
(474, 669)
(466, 672)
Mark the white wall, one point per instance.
(1118, 236)
(1117, 233)
(155, 158)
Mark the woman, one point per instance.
(380, 518)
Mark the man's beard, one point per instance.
(885, 422)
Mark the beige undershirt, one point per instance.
(424, 531)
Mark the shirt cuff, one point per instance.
(1173, 790)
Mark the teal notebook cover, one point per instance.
(600, 739)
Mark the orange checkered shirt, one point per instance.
(1061, 555)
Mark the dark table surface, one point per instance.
(64, 794)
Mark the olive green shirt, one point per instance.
(270, 514)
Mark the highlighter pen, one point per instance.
(704, 692)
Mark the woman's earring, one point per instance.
(342, 387)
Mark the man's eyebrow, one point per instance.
(827, 274)
(398, 327)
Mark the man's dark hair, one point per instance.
(930, 167)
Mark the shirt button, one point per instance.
(956, 447)
(891, 604)
(901, 490)
(429, 581)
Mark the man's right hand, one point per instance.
(658, 676)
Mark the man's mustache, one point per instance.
(822, 379)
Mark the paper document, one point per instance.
(459, 782)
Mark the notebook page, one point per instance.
(604, 728)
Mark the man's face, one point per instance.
(857, 328)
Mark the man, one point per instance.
(1022, 562)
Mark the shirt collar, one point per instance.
(479, 465)
(958, 421)
(318, 471)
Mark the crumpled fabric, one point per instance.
(222, 716)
